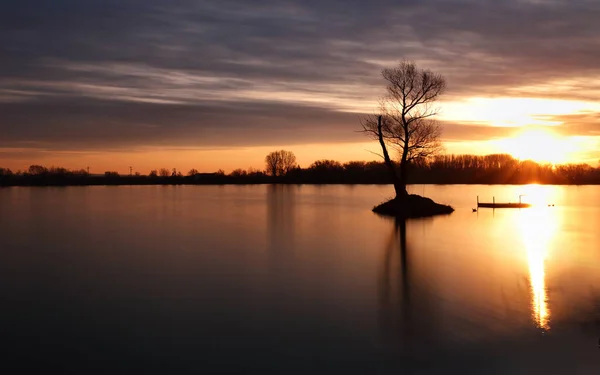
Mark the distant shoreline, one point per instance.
(124, 182)
(496, 169)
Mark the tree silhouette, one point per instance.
(37, 170)
(326, 165)
(5, 172)
(279, 163)
(238, 173)
(405, 122)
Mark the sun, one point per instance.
(539, 145)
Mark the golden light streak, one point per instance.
(537, 227)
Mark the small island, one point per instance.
(412, 206)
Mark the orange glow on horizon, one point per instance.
(540, 145)
(184, 159)
(537, 120)
(513, 111)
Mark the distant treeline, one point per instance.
(442, 169)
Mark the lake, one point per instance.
(298, 279)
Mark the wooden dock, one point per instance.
(502, 205)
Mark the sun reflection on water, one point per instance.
(538, 195)
(538, 227)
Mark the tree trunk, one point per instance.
(401, 227)
(403, 174)
(399, 186)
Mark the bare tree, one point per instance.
(238, 173)
(37, 170)
(164, 172)
(279, 163)
(5, 172)
(405, 122)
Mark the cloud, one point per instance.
(132, 73)
(579, 124)
(456, 132)
(83, 123)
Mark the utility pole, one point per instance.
(130, 171)
(88, 169)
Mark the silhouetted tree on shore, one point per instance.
(238, 173)
(279, 163)
(37, 170)
(5, 172)
(406, 121)
(326, 170)
(5, 175)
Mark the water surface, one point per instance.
(298, 279)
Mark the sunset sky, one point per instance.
(218, 84)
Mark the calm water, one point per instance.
(298, 279)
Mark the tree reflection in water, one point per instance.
(407, 312)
